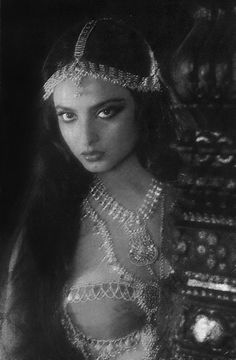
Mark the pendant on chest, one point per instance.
(142, 250)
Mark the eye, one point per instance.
(109, 112)
(66, 116)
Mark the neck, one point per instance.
(129, 176)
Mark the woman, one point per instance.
(90, 274)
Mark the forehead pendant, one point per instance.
(78, 91)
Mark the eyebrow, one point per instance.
(94, 107)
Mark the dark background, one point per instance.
(28, 29)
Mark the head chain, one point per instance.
(78, 69)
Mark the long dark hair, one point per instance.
(51, 222)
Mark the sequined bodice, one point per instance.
(139, 304)
(134, 333)
(139, 310)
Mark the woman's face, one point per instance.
(97, 121)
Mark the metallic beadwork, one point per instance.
(142, 250)
(145, 293)
(77, 70)
(82, 39)
(112, 290)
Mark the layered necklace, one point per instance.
(142, 249)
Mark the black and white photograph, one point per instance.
(118, 180)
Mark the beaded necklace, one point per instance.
(101, 228)
(142, 250)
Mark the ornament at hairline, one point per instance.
(78, 69)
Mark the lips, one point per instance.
(92, 155)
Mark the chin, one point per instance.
(97, 167)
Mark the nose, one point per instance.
(88, 132)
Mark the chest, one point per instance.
(110, 296)
(97, 249)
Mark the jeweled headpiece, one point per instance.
(80, 67)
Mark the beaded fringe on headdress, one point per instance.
(78, 69)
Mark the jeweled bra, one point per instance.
(129, 288)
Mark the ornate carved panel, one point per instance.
(203, 88)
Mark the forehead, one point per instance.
(90, 91)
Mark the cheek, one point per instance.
(69, 136)
(126, 136)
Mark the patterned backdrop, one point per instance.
(203, 87)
